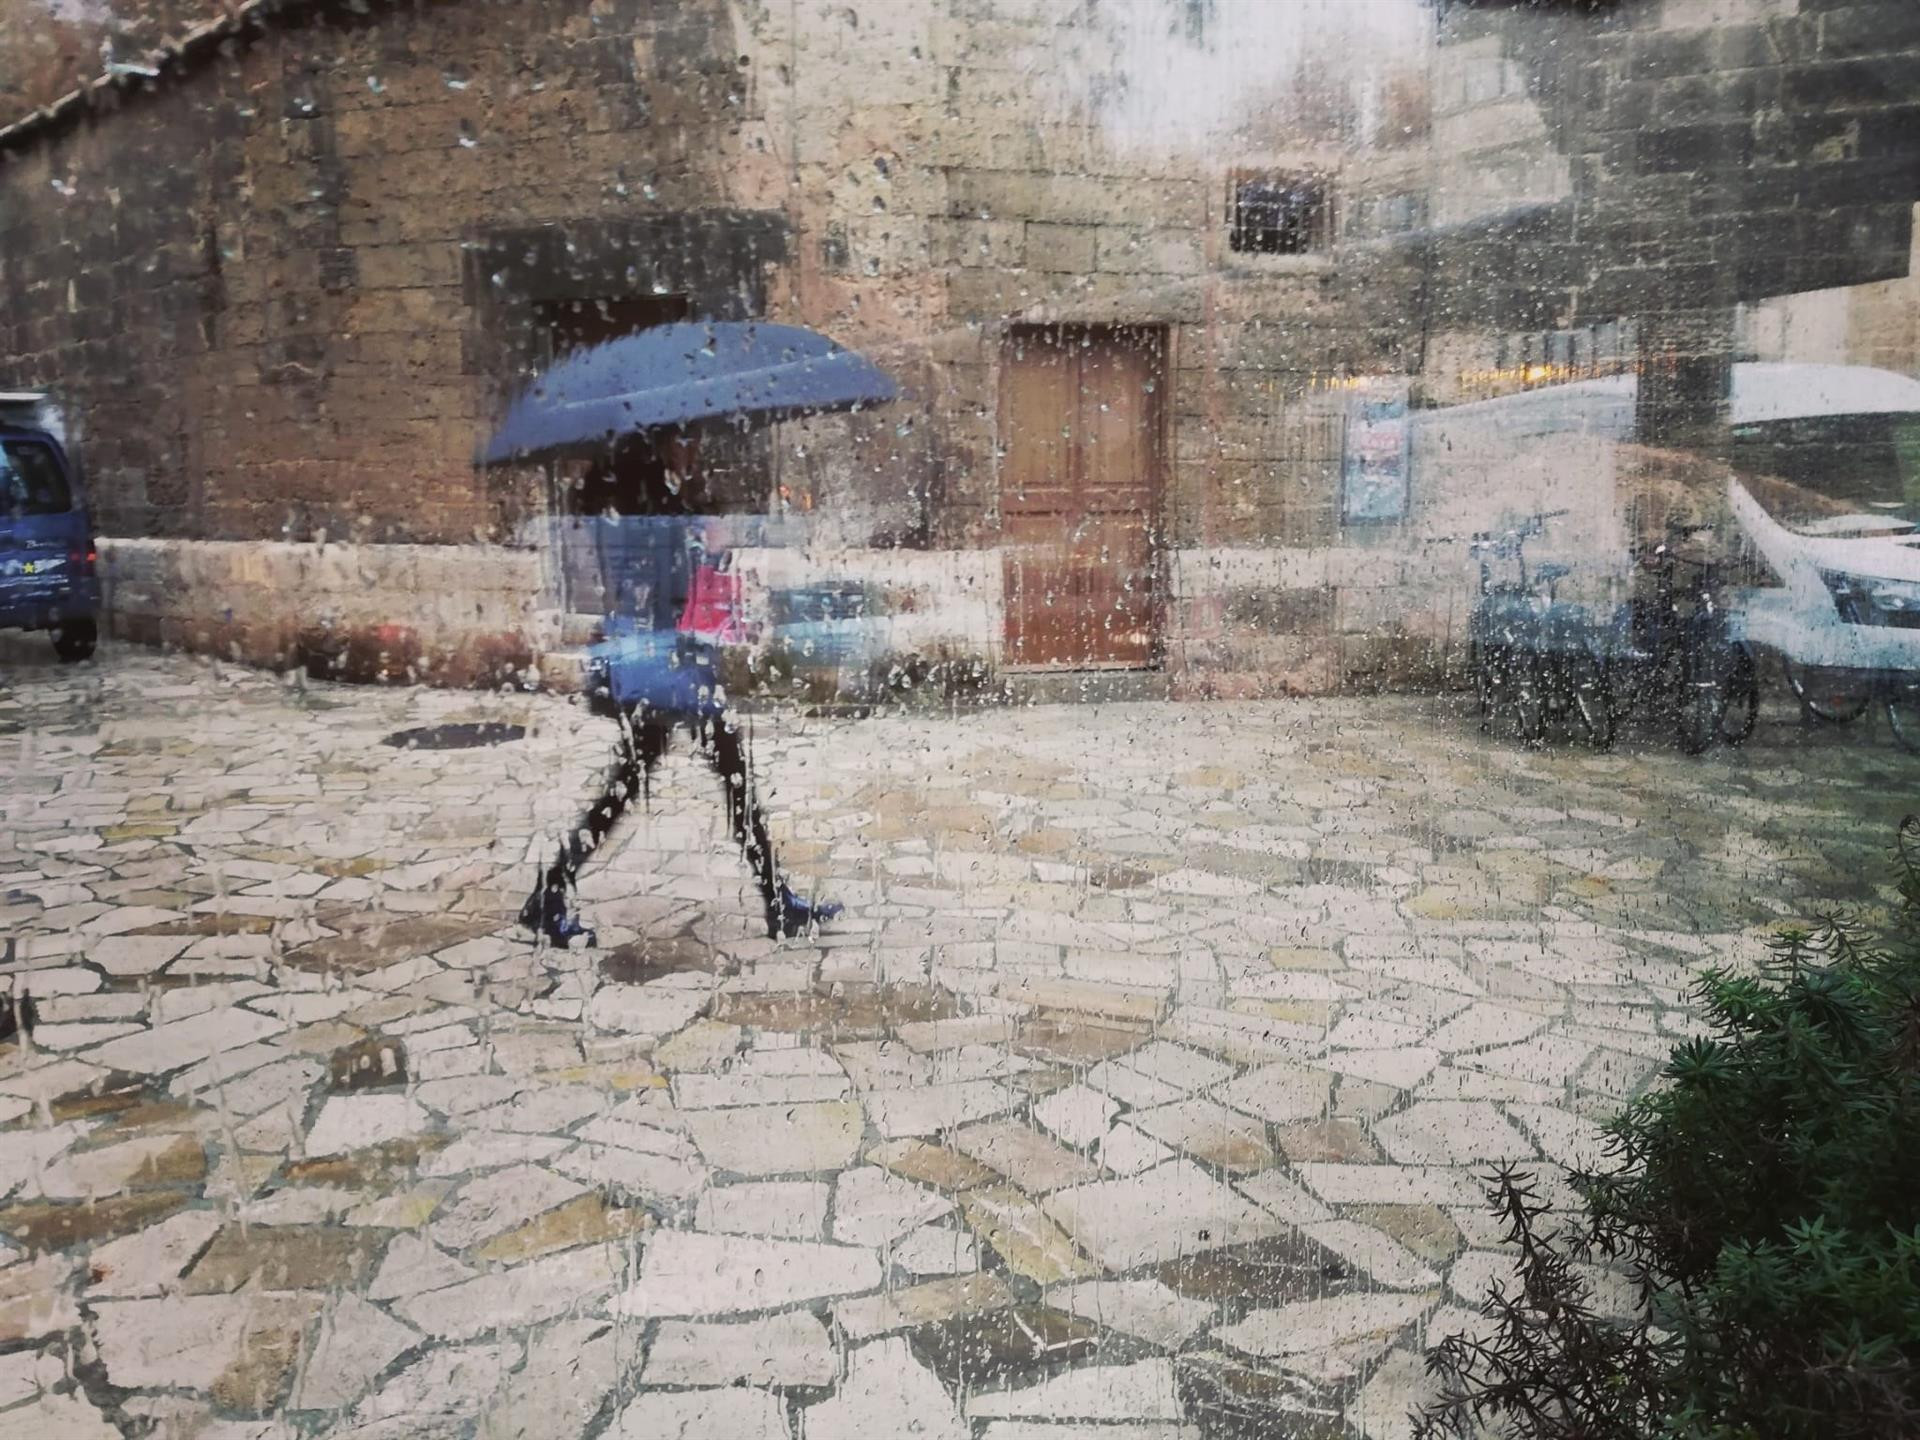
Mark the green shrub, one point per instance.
(1765, 1201)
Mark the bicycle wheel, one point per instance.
(1520, 699)
(1743, 698)
(1700, 702)
(1829, 693)
(1592, 710)
(1903, 709)
(1480, 672)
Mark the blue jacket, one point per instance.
(644, 660)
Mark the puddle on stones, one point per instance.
(459, 735)
(1004, 1348)
(652, 956)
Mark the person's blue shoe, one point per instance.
(566, 929)
(546, 914)
(798, 916)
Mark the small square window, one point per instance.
(1280, 214)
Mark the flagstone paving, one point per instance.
(1143, 1090)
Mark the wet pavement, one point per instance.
(1141, 1092)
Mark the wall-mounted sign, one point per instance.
(1378, 453)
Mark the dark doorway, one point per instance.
(574, 324)
(643, 474)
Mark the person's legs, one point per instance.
(650, 734)
(643, 739)
(749, 826)
(786, 913)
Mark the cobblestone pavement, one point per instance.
(1140, 1093)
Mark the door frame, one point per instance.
(1159, 471)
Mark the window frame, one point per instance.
(13, 497)
(1322, 228)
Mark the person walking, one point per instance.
(632, 406)
(651, 680)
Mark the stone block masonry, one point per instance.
(456, 615)
(285, 295)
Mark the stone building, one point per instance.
(1172, 288)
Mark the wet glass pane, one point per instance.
(933, 717)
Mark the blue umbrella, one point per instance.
(679, 374)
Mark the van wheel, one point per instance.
(75, 639)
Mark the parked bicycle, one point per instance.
(1527, 651)
(1841, 696)
(1668, 658)
(1671, 658)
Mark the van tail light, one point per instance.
(83, 561)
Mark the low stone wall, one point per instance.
(440, 614)
(476, 614)
(1386, 606)
(1241, 622)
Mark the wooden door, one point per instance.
(1079, 495)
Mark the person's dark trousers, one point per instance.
(749, 823)
(643, 741)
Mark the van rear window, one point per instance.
(31, 480)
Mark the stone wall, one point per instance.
(1874, 323)
(307, 348)
(1666, 161)
(286, 296)
(447, 614)
(268, 291)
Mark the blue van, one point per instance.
(47, 558)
